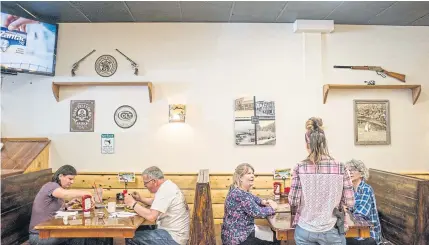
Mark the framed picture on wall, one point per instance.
(255, 121)
(82, 115)
(371, 122)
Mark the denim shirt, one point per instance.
(241, 209)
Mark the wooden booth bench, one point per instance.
(403, 206)
(24, 170)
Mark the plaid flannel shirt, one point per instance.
(366, 207)
(327, 166)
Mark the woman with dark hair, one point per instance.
(320, 185)
(50, 199)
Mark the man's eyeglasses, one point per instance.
(147, 182)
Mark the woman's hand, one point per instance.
(73, 201)
(272, 204)
(264, 202)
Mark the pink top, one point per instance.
(317, 189)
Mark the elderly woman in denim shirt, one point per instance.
(241, 209)
(365, 204)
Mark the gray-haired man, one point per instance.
(168, 208)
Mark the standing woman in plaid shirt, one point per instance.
(365, 204)
(319, 185)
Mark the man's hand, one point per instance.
(264, 202)
(136, 196)
(129, 200)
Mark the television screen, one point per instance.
(28, 45)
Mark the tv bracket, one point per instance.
(76, 65)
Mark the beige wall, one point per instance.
(207, 66)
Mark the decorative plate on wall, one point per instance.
(106, 65)
(125, 116)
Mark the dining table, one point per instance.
(99, 223)
(281, 222)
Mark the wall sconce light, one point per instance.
(177, 113)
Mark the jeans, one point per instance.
(35, 240)
(331, 237)
(151, 237)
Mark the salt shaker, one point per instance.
(65, 219)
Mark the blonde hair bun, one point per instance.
(314, 123)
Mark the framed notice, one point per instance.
(107, 143)
(82, 115)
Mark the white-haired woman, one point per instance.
(365, 204)
(241, 209)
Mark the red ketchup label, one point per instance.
(86, 203)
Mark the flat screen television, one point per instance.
(27, 45)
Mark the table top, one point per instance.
(92, 222)
(283, 218)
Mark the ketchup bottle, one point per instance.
(86, 205)
(277, 190)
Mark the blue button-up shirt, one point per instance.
(366, 206)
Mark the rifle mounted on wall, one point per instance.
(133, 64)
(380, 71)
(76, 65)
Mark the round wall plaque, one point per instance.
(106, 65)
(125, 116)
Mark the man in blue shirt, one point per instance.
(365, 204)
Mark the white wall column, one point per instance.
(311, 31)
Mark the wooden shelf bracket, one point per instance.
(56, 86)
(414, 88)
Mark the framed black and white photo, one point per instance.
(371, 122)
(255, 123)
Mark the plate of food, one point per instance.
(118, 205)
(75, 207)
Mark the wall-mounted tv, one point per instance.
(27, 45)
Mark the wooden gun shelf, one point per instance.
(56, 86)
(415, 89)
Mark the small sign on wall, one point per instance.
(107, 143)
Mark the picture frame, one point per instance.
(372, 122)
(128, 177)
(282, 174)
(254, 121)
(82, 115)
